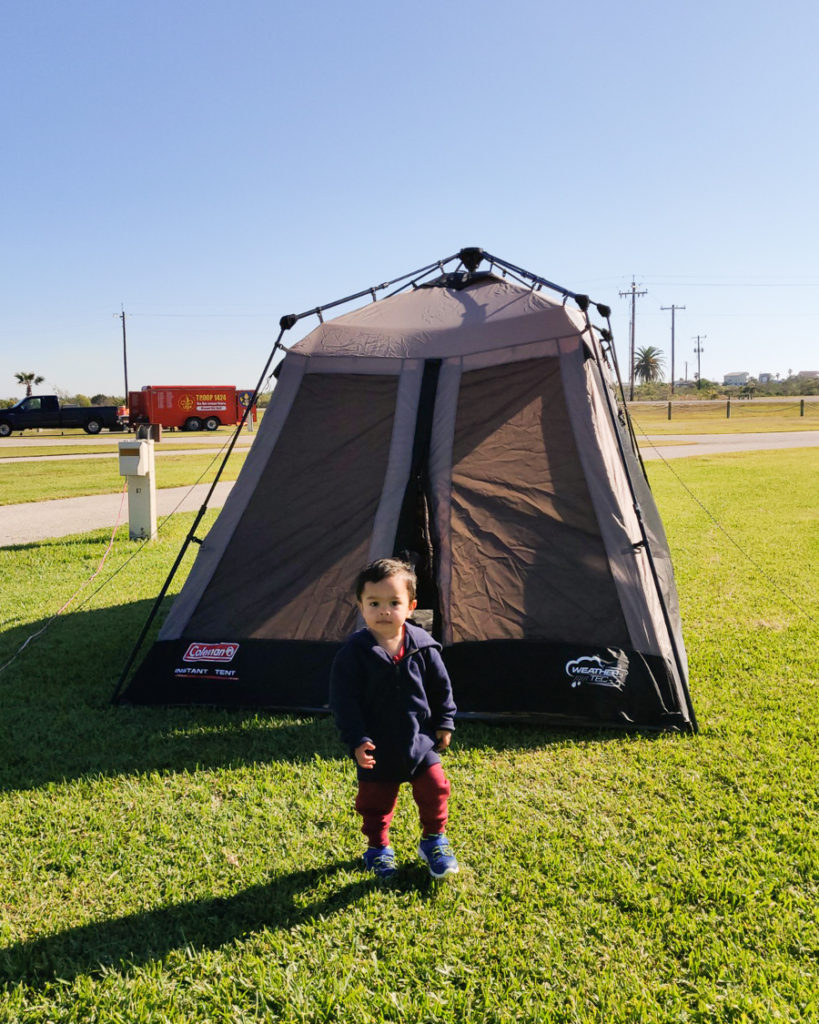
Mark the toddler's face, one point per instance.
(386, 606)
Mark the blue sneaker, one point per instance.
(380, 860)
(437, 853)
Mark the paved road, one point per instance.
(25, 524)
(77, 440)
(680, 446)
(178, 444)
(34, 521)
(159, 453)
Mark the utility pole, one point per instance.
(634, 295)
(673, 309)
(699, 349)
(124, 353)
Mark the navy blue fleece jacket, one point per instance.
(396, 706)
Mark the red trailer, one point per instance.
(188, 408)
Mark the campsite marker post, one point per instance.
(136, 464)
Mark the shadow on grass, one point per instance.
(132, 941)
(57, 722)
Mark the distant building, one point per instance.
(765, 378)
(736, 378)
(807, 373)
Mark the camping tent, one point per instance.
(471, 422)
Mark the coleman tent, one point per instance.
(472, 423)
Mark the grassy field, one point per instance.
(56, 478)
(77, 447)
(710, 417)
(167, 865)
(37, 481)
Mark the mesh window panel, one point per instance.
(528, 561)
(289, 568)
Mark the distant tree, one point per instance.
(102, 399)
(707, 388)
(652, 392)
(648, 364)
(28, 379)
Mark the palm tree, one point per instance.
(28, 379)
(649, 364)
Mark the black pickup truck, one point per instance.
(45, 411)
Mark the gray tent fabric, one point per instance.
(474, 427)
(522, 524)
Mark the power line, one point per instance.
(681, 282)
(204, 316)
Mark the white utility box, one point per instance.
(133, 458)
(136, 463)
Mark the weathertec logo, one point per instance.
(222, 653)
(596, 672)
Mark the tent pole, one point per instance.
(643, 532)
(470, 259)
(532, 277)
(318, 310)
(285, 324)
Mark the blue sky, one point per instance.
(211, 166)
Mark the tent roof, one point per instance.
(441, 322)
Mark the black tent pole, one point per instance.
(285, 324)
(318, 310)
(641, 524)
(470, 258)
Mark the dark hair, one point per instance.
(382, 569)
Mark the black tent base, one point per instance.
(495, 680)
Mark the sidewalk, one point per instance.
(34, 521)
(679, 446)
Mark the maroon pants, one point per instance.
(376, 804)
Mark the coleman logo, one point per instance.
(593, 671)
(222, 653)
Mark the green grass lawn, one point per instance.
(80, 446)
(54, 478)
(38, 481)
(754, 416)
(175, 865)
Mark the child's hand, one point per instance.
(444, 737)
(363, 756)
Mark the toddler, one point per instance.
(392, 701)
